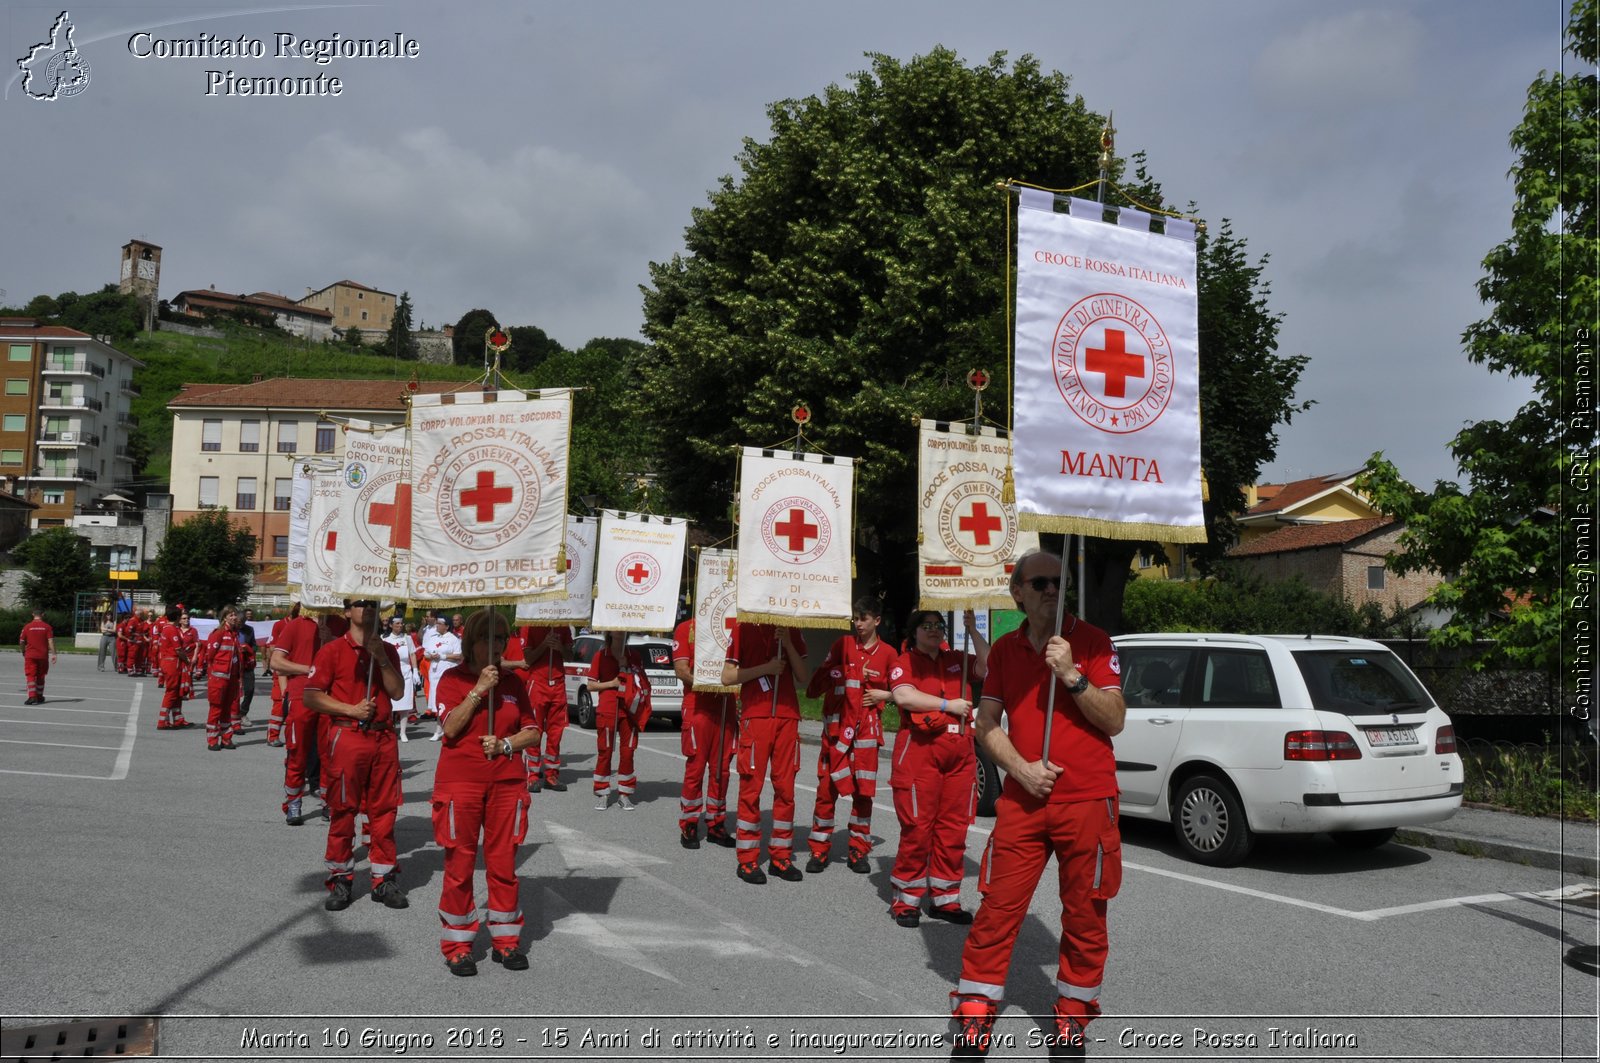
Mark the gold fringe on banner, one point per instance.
(1111, 529)
(698, 689)
(1001, 601)
(781, 620)
(561, 555)
(1008, 490)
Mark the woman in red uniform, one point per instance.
(617, 675)
(478, 789)
(934, 774)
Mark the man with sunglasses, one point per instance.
(1062, 804)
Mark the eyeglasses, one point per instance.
(932, 625)
(1039, 583)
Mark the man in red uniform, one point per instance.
(1060, 801)
(767, 663)
(710, 737)
(280, 693)
(353, 683)
(142, 644)
(38, 642)
(545, 650)
(293, 652)
(224, 658)
(857, 673)
(170, 659)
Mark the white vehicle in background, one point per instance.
(666, 689)
(1230, 736)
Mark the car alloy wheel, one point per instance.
(585, 709)
(1209, 822)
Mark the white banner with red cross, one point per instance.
(582, 539)
(489, 497)
(319, 582)
(373, 520)
(716, 584)
(968, 539)
(638, 572)
(796, 515)
(299, 523)
(1107, 382)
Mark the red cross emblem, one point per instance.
(396, 516)
(796, 530)
(980, 523)
(1117, 363)
(485, 496)
(638, 573)
(977, 380)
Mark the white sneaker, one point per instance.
(438, 734)
(625, 802)
(601, 802)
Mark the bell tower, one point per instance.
(141, 276)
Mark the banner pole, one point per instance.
(1050, 699)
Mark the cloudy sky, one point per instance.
(536, 154)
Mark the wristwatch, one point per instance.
(1080, 686)
(505, 747)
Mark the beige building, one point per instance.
(233, 446)
(64, 419)
(353, 304)
(1341, 558)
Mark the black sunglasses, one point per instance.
(1039, 583)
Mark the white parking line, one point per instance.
(125, 755)
(63, 745)
(101, 712)
(1369, 916)
(54, 723)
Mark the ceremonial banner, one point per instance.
(299, 516)
(969, 539)
(715, 584)
(638, 572)
(317, 588)
(795, 526)
(582, 538)
(373, 519)
(489, 497)
(1106, 379)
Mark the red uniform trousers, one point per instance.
(710, 739)
(615, 731)
(304, 734)
(935, 796)
(499, 811)
(124, 653)
(222, 719)
(171, 695)
(140, 664)
(549, 702)
(846, 767)
(280, 710)
(36, 668)
(768, 743)
(363, 776)
(1087, 846)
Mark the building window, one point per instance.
(16, 386)
(344, 311)
(15, 422)
(55, 498)
(363, 315)
(324, 438)
(210, 435)
(249, 437)
(21, 352)
(280, 546)
(208, 492)
(246, 497)
(10, 457)
(281, 489)
(1375, 576)
(288, 437)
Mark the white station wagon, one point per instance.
(1229, 736)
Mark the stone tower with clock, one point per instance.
(141, 276)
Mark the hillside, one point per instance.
(173, 359)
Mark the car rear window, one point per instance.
(1359, 682)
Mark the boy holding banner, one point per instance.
(767, 663)
(710, 733)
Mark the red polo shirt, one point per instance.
(549, 667)
(754, 644)
(341, 670)
(462, 759)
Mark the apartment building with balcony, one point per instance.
(234, 446)
(64, 419)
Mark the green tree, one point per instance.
(58, 567)
(609, 457)
(1242, 602)
(530, 346)
(1508, 542)
(400, 343)
(858, 262)
(205, 562)
(106, 312)
(351, 337)
(467, 340)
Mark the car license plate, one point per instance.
(1391, 736)
(667, 686)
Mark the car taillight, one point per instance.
(1320, 745)
(1445, 740)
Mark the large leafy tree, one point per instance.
(205, 562)
(610, 457)
(467, 339)
(58, 567)
(106, 312)
(858, 262)
(1508, 541)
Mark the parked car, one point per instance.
(1230, 736)
(666, 689)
